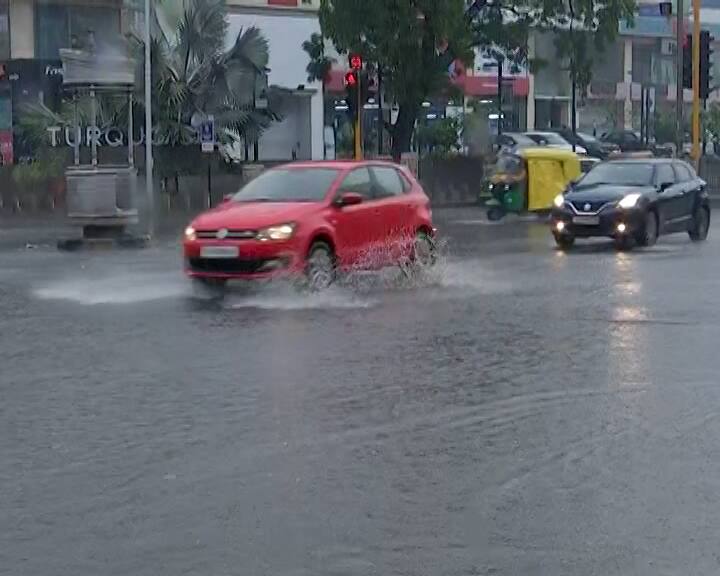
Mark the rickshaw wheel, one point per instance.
(495, 213)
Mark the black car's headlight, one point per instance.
(630, 201)
(559, 201)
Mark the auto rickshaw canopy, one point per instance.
(549, 171)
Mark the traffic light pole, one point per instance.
(679, 81)
(358, 120)
(696, 82)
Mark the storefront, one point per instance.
(30, 67)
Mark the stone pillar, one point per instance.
(22, 29)
(531, 86)
(627, 79)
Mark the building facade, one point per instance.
(32, 32)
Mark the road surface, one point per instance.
(524, 412)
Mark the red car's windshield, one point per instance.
(289, 185)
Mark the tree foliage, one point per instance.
(413, 41)
(320, 64)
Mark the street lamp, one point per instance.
(148, 126)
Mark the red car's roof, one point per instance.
(339, 164)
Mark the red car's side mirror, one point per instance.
(227, 198)
(349, 199)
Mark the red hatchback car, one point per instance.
(312, 220)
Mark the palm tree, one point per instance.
(195, 76)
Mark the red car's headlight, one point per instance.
(190, 233)
(280, 232)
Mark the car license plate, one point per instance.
(586, 220)
(219, 252)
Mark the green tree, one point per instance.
(582, 29)
(413, 41)
(440, 137)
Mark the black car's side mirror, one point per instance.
(664, 186)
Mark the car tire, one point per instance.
(701, 225)
(320, 268)
(422, 258)
(648, 236)
(564, 241)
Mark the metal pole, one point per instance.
(679, 136)
(131, 129)
(381, 118)
(76, 128)
(642, 115)
(93, 128)
(573, 75)
(696, 83)
(256, 145)
(358, 119)
(148, 127)
(499, 93)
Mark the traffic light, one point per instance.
(687, 62)
(705, 64)
(356, 61)
(351, 88)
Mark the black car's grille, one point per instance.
(581, 206)
(228, 265)
(227, 235)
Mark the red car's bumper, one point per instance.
(253, 260)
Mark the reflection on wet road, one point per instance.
(523, 411)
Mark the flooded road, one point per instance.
(523, 411)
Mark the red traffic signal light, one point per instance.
(356, 61)
(351, 79)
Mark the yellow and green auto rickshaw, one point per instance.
(528, 180)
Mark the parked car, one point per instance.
(633, 202)
(594, 147)
(553, 140)
(625, 140)
(312, 220)
(513, 141)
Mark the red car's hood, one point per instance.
(253, 215)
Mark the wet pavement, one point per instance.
(523, 412)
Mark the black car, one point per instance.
(595, 148)
(626, 140)
(633, 202)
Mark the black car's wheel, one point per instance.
(564, 241)
(649, 234)
(700, 225)
(320, 270)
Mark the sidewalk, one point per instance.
(44, 230)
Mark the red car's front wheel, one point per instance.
(320, 270)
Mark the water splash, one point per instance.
(126, 288)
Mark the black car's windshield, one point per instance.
(289, 185)
(627, 174)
